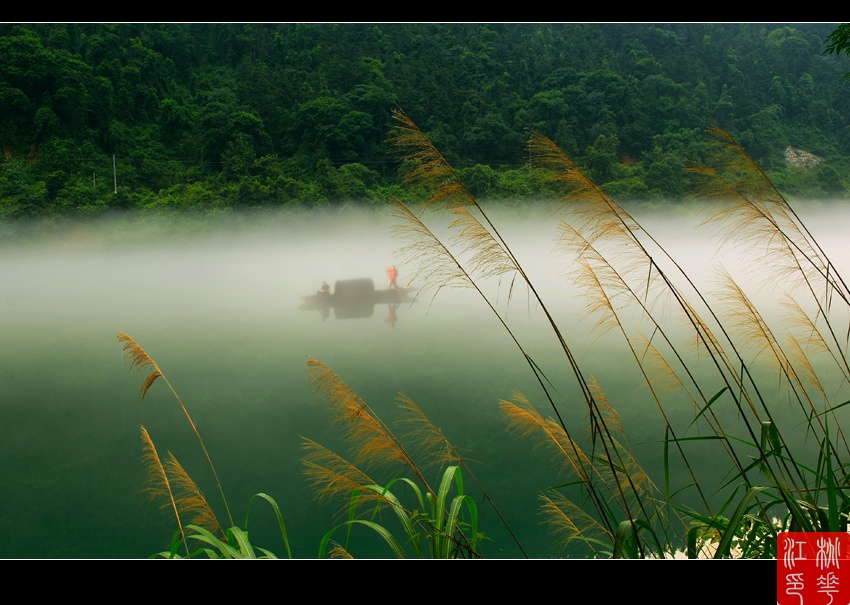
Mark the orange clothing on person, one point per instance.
(392, 274)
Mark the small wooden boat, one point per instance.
(354, 298)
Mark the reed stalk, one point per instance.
(140, 360)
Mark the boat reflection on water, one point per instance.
(356, 298)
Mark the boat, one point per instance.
(354, 298)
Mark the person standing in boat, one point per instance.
(324, 290)
(392, 274)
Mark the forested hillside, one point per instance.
(99, 116)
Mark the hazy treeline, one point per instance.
(203, 115)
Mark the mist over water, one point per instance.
(215, 302)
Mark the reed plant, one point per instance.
(624, 271)
(436, 524)
(179, 495)
(433, 523)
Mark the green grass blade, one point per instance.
(831, 497)
(385, 534)
(724, 548)
(407, 522)
(278, 516)
(691, 548)
(708, 405)
(267, 554)
(325, 541)
(452, 523)
(666, 460)
(474, 537)
(833, 408)
(246, 550)
(203, 535)
(443, 494)
(625, 541)
(771, 444)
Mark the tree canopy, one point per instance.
(199, 115)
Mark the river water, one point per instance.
(216, 302)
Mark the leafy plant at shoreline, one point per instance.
(234, 545)
(375, 445)
(443, 527)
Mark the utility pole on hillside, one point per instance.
(114, 176)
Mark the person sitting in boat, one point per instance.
(325, 290)
(392, 274)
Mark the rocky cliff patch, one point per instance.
(801, 159)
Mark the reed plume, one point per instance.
(439, 268)
(491, 256)
(375, 443)
(746, 204)
(139, 360)
(526, 423)
(808, 332)
(569, 523)
(429, 261)
(754, 329)
(422, 434)
(190, 501)
(749, 209)
(794, 367)
(428, 168)
(633, 479)
(332, 477)
(476, 235)
(598, 224)
(744, 318)
(338, 552)
(805, 340)
(753, 210)
(663, 378)
(158, 483)
(592, 212)
(623, 484)
(807, 376)
(373, 440)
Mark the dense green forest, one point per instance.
(199, 115)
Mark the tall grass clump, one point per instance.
(624, 273)
(430, 520)
(168, 483)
